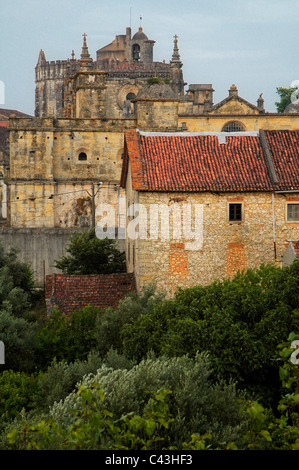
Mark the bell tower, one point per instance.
(140, 48)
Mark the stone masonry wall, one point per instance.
(50, 186)
(225, 247)
(70, 293)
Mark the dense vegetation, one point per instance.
(88, 254)
(207, 369)
(285, 95)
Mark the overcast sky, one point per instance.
(251, 43)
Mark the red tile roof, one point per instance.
(5, 113)
(284, 148)
(197, 162)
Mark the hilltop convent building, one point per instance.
(66, 161)
(113, 79)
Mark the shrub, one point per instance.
(68, 338)
(108, 325)
(196, 404)
(16, 283)
(95, 428)
(91, 255)
(61, 377)
(238, 322)
(20, 339)
(17, 390)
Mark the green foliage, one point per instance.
(157, 81)
(150, 415)
(279, 431)
(109, 324)
(68, 338)
(153, 80)
(20, 339)
(16, 283)
(239, 322)
(285, 98)
(16, 298)
(17, 390)
(60, 378)
(95, 428)
(91, 255)
(196, 403)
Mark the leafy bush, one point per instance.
(239, 322)
(67, 338)
(94, 428)
(91, 255)
(108, 325)
(277, 431)
(16, 283)
(20, 339)
(196, 403)
(17, 390)
(61, 377)
(20, 272)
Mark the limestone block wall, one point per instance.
(250, 122)
(90, 94)
(153, 114)
(49, 90)
(116, 93)
(31, 204)
(222, 248)
(55, 163)
(31, 150)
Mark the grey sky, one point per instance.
(252, 43)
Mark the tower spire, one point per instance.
(176, 54)
(85, 60)
(41, 58)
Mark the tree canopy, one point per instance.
(285, 98)
(91, 255)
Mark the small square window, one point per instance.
(235, 213)
(293, 212)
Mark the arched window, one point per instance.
(233, 126)
(82, 156)
(130, 96)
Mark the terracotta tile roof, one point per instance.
(200, 162)
(5, 113)
(284, 149)
(195, 162)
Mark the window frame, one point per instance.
(235, 221)
(291, 203)
(233, 123)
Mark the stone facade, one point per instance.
(64, 163)
(108, 84)
(56, 165)
(181, 231)
(226, 246)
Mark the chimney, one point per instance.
(233, 91)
